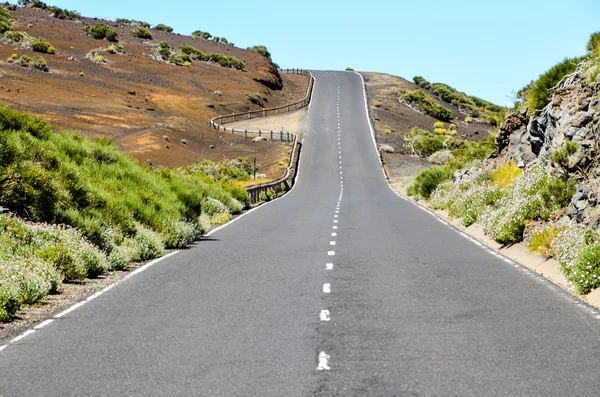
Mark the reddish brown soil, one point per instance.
(170, 102)
(388, 113)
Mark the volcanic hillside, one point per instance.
(152, 108)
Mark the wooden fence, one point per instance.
(268, 191)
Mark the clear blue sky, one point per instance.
(485, 48)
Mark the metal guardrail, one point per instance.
(268, 191)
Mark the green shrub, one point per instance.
(16, 37)
(5, 17)
(10, 299)
(142, 33)
(557, 194)
(349, 69)
(25, 60)
(164, 50)
(539, 92)
(201, 34)
(426, 104)
(421, 82)
(586, 271)
(101, 31)
(39, 63)
(164, 28)
(426, 143)
(262, 50)
(41, 45)
(593, 44)
(428, 179)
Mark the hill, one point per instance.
(136, 97)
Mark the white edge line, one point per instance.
(43, 324)
(23, 336)
(3, 347)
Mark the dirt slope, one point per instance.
(170, 102)
(387, 113)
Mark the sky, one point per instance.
(489, 49)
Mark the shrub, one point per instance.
(145, 245)
(101, 31)
(426, 143)
(427, 180)
(505, 174)
(5, 17)
(25, 61)
(540, 239)
(41, 45)
(468, 120)
(262, 50)
(557, 194)
(439, 124)
(593, 44)
(426, 104)
(164, 50)
(201, 34)
(164, 28)
(39, 63)
(539, 92)
(586, 270)
(421, 82)
(16, 37)
(440, 157)
(349, 70)
(441, 131)
(141, 32)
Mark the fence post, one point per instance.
(245, 133)
(271, 135)
(281, 136)
(288, 136)
(259, 133)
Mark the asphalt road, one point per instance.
(394, 304)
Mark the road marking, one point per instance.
(3, 347)
(323, 362)
(327, 288)
(43, 324)
(69, 310)
(335, 228)
(331, 253)
(333, 234)
(325, 315)
(329, 266)
(22, 336)
(336, 216)
(335, 221)
(332, 243)
(337, 212)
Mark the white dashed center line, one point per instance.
(327, 288)
(325, 315)
(323, 364)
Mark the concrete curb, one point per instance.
(546, 267)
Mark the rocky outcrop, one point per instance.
(572, 114)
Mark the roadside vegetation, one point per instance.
(101, 31)
(82, 208)
(531, 204)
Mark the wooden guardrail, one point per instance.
(268, 191)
